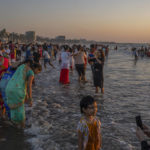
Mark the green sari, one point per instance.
(16, 93)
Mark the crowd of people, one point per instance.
(19, 63)
(140, 52)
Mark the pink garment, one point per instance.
(4, 66)
(12, 55)
(40, 49)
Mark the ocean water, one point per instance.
(56, 110)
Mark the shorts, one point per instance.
(47, 61)
(80, 69)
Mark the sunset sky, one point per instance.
(101, 20)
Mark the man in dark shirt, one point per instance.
(36, 56)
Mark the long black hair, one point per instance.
(36, 65)
(21, 63)
(31, 64)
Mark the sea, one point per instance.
(52, 121)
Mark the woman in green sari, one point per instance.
(19, 89)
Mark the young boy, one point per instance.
(47, 59)
(89, 127)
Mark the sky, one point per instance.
(100, 20)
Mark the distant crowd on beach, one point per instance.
(140, 52)
(19, 63)
(69, 57)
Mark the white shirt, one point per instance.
(46, 55)
(7, 51)
(65, 60)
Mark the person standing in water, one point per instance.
(80, 57)
(65, 64)
(47, 59)
(91, 56)
(89, 126)
(71, 60)
(98, 71)
(36, 56)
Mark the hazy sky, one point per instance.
(102, 20)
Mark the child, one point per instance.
(47, 59)
(89, 135)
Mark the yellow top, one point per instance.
(91, 134)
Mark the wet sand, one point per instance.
(13, 139)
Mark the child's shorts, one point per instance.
(46, 61)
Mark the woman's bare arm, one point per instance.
(29, 87)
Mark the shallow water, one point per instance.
(13, 139)
(56, 109)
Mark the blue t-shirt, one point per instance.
(28, 54)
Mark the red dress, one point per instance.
(64, 73)
(3, 67)
(64, 76)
